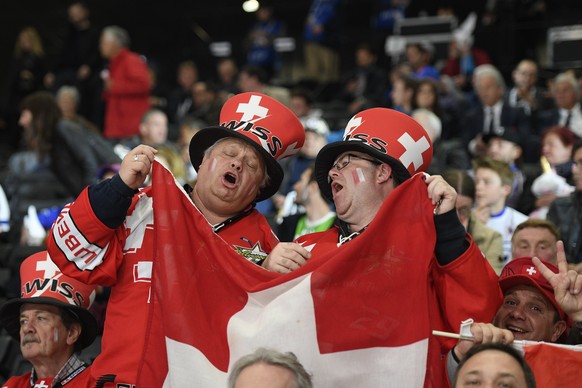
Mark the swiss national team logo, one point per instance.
(265, 121)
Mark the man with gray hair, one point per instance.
(567, 113)
(494, 116)
(269, 368)
(126, 85)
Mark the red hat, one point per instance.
(262, 121)
(43, 283)
(522, 271)
(385, 134)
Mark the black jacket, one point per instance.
(76, 155)
(566, 213)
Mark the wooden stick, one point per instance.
(451, 335)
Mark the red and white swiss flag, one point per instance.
(357, 316)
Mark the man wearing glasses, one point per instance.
(381, 152)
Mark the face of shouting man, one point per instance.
(229, 178)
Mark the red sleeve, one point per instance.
(83, 247)
(467, 288)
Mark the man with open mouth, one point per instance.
(106, 236)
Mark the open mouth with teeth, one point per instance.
(518, 331)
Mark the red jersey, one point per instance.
(122, 258)
(79, 379)
(466, 287)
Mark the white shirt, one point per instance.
(575, 120)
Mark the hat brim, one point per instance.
(521, 280)
(10, 318)
(330, 152)
(206, 137)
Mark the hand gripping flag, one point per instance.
(357, 316)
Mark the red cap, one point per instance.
(522, 271)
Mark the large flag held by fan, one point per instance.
(554, 365)
(357, 316)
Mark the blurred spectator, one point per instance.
(316, 132)
(206, 102)
(126, 85)
(25, 76)
(79, 60)
(566, 213)
(313, 214)
(403, 90)
(567, 113)
(487, 239)
(188, 128)
(68, 99)
(260, 40)
(505, 148)
(556, 179)
(525, 93)
(254, 79)
(159, 93)
(385, 14)
(227, 72)
(365, 85)
(302, 105)
(493, 115)
(321, 37)
(536, 238)
(463, 58)
(427, 97)
(493, 181)
(180, 100)
(73, 152)
(420, 57)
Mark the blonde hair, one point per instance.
(34, 36)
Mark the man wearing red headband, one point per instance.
(106, 236)
(52, 324)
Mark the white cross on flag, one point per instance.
(359, 316)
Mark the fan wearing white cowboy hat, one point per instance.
(381, 150)
(237, 165)
(51, 322)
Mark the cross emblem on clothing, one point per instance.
(252, 109)
(531, 271)
(41, 384)
(414, 150)
(50, 269)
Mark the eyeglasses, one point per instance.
(343, 162)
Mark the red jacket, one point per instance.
(127, 98)
(85, 249)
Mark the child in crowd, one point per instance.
(493, 182)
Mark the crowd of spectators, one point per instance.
(506, 138)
